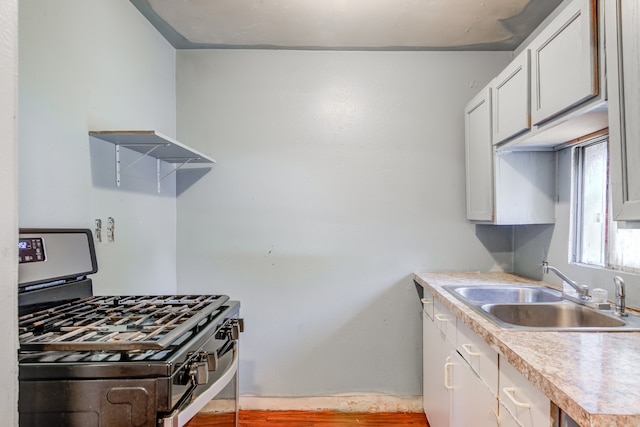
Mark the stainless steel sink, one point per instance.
(559, 316)
(506, 294)
(538, 308)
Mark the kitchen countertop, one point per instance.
(592, 376)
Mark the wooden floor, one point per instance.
(312, 419)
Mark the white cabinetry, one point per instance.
(525, 185)
(564, 61)
(521, 400)
(475, 381)
(554, 91)
(479, 157)
(623, 51)
(482, 359)
(467, 383)
(473, 403)
(511, 100)
(508, 187)
(454, 393)
(437, 366)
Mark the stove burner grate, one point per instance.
(117, 323)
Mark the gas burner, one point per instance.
(117, 323)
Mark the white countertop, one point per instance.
(592, 376)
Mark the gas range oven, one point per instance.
(117, 361)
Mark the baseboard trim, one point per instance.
(341, 403)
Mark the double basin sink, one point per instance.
(538, 308)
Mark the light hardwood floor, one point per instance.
(313, 419)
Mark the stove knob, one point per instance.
(199, 373)
(238, 326)
(234, 331)
(223, 333)
(212, 361)
(231, 330)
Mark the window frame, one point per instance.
(611, 227)
(577, 203)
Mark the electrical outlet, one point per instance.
(98, 230)
(111, 230)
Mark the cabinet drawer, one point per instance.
(445, 322)
(427, 303)
(528, 405)
(506, 419)
(474, 405)
(480, 356)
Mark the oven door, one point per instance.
(219, 394)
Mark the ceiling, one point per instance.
(347, 24)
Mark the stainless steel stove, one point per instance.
(117, 361)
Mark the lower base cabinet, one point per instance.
(437, 371)
(506, 419)
(463, 383)
(454, 393)
(521, 399)
(473, 403)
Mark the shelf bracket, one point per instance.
(120, 170)
(183, 162)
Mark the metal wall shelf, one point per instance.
(150, 143)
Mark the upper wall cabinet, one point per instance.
(554, 91)
(511, 100)
(506, 188)
(623, 64)
(479, 157)
(564, 61)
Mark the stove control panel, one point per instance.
(31, 250)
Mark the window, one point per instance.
(599, 240)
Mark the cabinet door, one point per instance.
(511, 100)
(525, 187)
(479, 157)
(430, 361)
(528, 405)
(506, 419)
(482, 359)
(564, 61)
(473, 403)
(623, 51)
(437, 375)
(445, 322)
(427, 303)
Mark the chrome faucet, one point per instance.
(620, 297)
(582, 290)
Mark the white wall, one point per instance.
(97, 65)
(534, 244)
(339, 174)
(9, 211)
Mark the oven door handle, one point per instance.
(181, 417)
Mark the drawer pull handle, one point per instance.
(426, 301)
(508, 391)
(446, 373)
(467, 348)
(441, 318)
